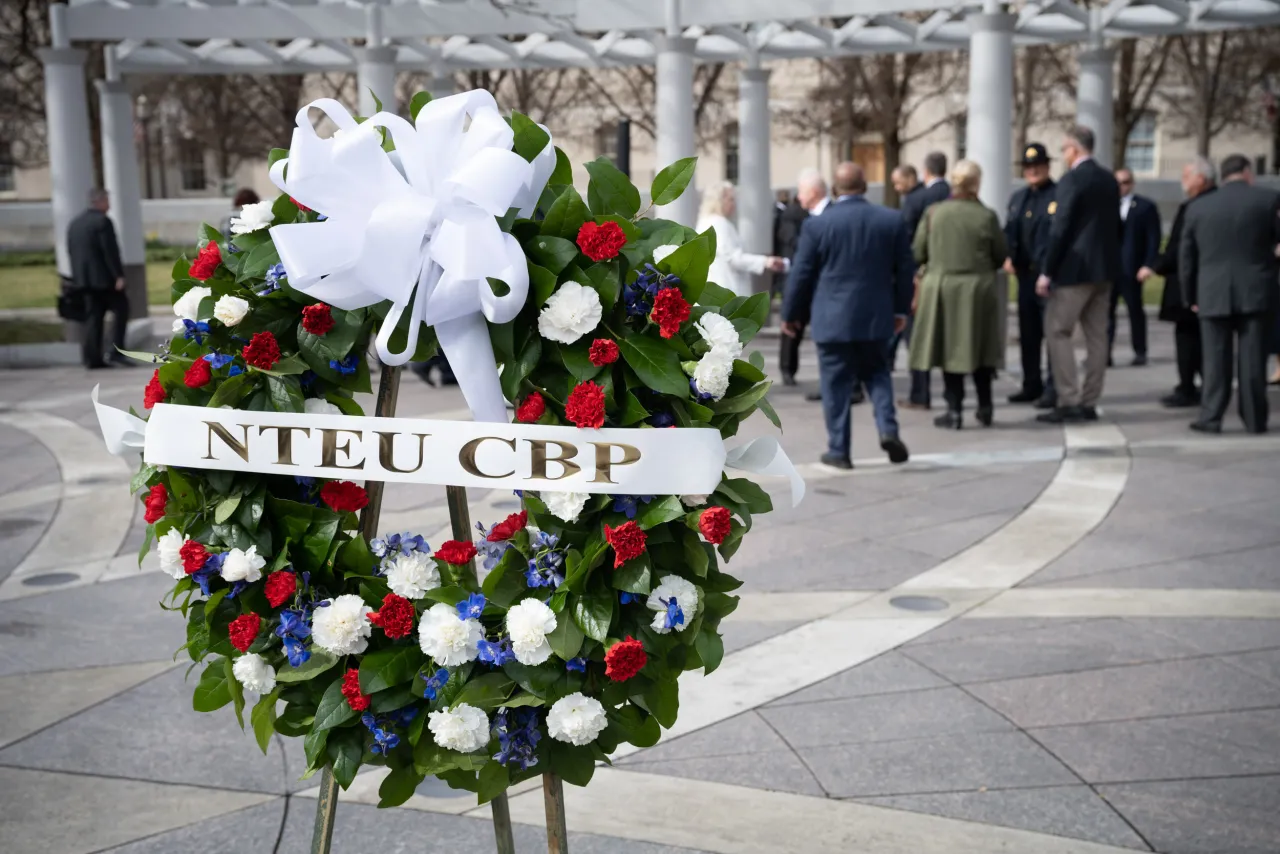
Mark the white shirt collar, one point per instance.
(929, 182)
(1087, 157)
(820, 206)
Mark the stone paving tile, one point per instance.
(1265, 663)
(1212, 745)
(742, 734)
(971, 627)
(850, 564)
(1232, 816)
(1256, 568)
(775, 771)
(20, 531)
(1191, 686)
(741, 634)
(1216, 636)
(248, 831)
(918, 765)
(885, 674)
(947, 539)
(1073, 811)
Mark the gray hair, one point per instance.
(810, 177)
(1084, 137)
(1204, 167)
(97, 196)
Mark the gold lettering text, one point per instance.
(538, 453)
(329, 448)
(386, 451)
(241, 448)
(605, 461)
(467, 456)
(284, 441)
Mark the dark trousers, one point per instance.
(954, 388)
(1035, 381)
(1130, 290)
(99, 303)
(789, 353)
(919, 379)
(1220, 337)
(842, 366)
(1186, 344)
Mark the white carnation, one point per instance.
(463, 728)
(230, 310)
(571, 312)
(319, 406)
(412, 575)
(448, 640)
(188, 305)
(693, 500)
(663, 251)
(712, 374)
(686, 596)
(577, 719)
(252, 217)
(342, 627)
(253, 672)
(168, 547)
(242, 566)
(565, 506)
(528, 623)
(719, 334)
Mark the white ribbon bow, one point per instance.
(122, 431)
(765, 456)
(419, 220)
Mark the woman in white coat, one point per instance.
(732, 267)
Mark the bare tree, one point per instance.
(631, 93)
(1140, 71)
(1042, 85)
(24, 29)
(1218, 77)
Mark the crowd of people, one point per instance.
(861, 279)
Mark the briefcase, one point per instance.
(73, 304)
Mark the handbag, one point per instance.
(73, 304)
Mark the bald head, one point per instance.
(850, 179)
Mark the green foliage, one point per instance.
(672, 180)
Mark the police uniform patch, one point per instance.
(1053, 208)
(1031, 153)
(1029, 214)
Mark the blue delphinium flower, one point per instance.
(218, 361)
(235, 371)
(698, 393)
(308, 378)
(233, 249)
(383, 739)
(307, 489)
(272, 279)
(236, 589)
(296, 650)
(209, 571)
(638, 296)
(627, 598)
(293, 623)
(578, 664)
(518, 735)
(545, 570)
(472, 607)
(675, 617)
(630, 504)
(196, 329)
(496, 653)
(491, 551)
(544, 540)
(347, 366)
(662, 419)
(435, 683)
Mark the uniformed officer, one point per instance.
(1026, 229)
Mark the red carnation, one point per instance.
(155, 502)
(344, 496)
(351, 690)
(317, 319)
(193, 556)
(601, 241)
(714, 523)
(531, 409)
(280, 587)
(154, 392)
(585, 406)
(395, 617)
(262, 351)
(627, 540)
(669, 311)
(299, 205)
(509, 527)
(624, 659)
(198, 375)
(244, 631)
(603, 352)
(456, 552)
(206, 262)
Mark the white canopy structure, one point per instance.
(442, 36)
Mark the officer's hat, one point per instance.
(1035, 155)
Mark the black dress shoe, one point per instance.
(1088, 413)
(893, 446)
(98, 366)
(813, 396)
(1062, 415)
(949, 420)
(1180, 399)
(1139, 360)
(1025, 397)
(1205, 427)
(788, 379)
(913, 404)
(1047, 402)
(123, 362)
(836, 461)
(985, 415)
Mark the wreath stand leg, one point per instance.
(553, 800)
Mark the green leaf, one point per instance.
(610, 191)
(742, 402)
(710, 648)
(566, 638)
(344, 751)
(230, 391)
(291, 364)
(747, 371)
(313, 744)
(747, 492)
(263, 718)
(139, 481)
(554, 253)
(594, 612)
(529, 138)
(389, 667)
(672, 181)
(258, 260)
(695, 555)
(663, 700)
(399, 786)
(183, 492)
(655, 363)
(333, 710)
(563, 173)
(318, 663)
(577, 360)
(225, 508)
(633, 576)
(633, 412)
(566, 216)
(543, 282)
(757, 360)
(638, 728)
(526, 360)
(487, 691)
(416, 103)
(690, 262)
(572, 764)
(212, 692)
(494, 780)
(766, 407)
(277, 154)
(657, 512)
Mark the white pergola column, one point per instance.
(675, 118)
(755, 187)
(1094, 98)
(120, 171)
(989, 135)
(441, 84)
(67, 131)
(376, 75)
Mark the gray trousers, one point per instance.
(1088, 305)
(1218, 336)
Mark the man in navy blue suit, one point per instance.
(1139, 252)
(851, 278)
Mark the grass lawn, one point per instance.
(29, 332)
(37, 287)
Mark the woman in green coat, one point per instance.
(960, 246)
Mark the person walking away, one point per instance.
(936, 189)
(732, 267)
(1026, 232)
(244, 196)
(97, 271)
(1139, 249)
(910, 192)
(1081, 263)
(811, 199)
(1199, 179)
(1228, 269)
(852, 278)
(962, 247)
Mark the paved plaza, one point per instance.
(1028, 639)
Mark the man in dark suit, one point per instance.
(851, 279)
(811, 191)
(1199, 179)
(1081, 264)
(906, 183)
(935, 189)
(97, 271)
(1228, 269)
(1139, 249)
(1026, 231)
